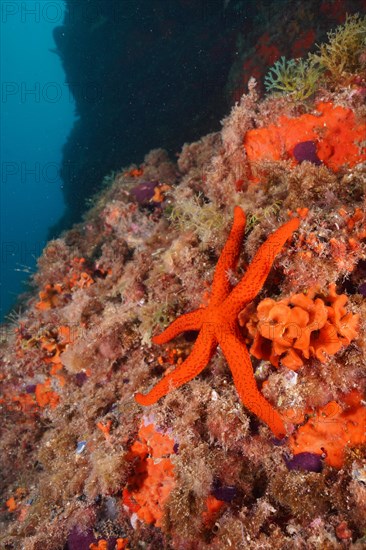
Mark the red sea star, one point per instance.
(218, 324)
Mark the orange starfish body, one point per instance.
(218, 324)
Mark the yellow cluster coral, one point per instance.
(305, 325)
(299, 77)
(340, 56)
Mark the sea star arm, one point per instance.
(228, 258)
(237, 356)
(188, 321)
(200, 355)
(258, 271)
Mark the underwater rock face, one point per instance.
(226, 493)
(85, 466)
(131, 93)
(80, 541)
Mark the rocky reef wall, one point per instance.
(117, 436)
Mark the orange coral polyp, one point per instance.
(302, 326)
(334, 129)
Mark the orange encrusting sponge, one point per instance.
(153, 476)
(335, 131)
(333, 428)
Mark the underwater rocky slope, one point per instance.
(158, 74)
(84, 466)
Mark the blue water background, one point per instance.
(37, 112)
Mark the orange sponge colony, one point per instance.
(153, 477)
(302, 326)
(334, 130)
(333, 428)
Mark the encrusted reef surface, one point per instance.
(84, 466)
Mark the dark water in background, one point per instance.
(37, 112)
